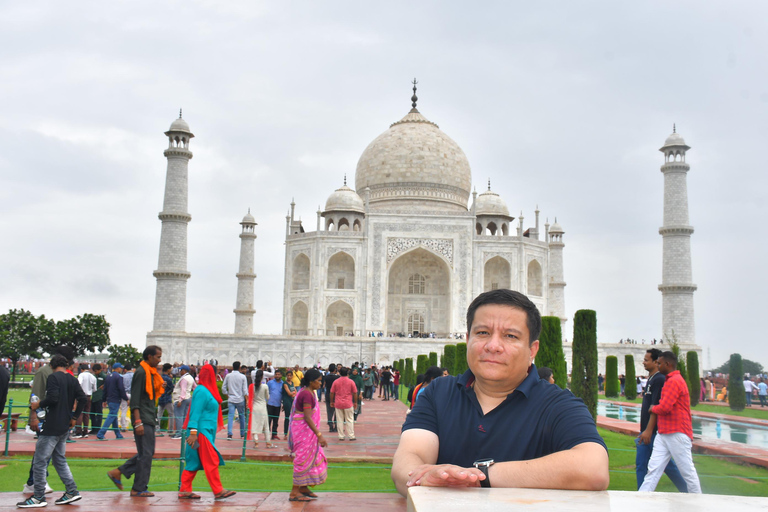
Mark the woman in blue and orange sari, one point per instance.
(203, 422)
(310, 467)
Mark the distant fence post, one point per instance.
(9, 423)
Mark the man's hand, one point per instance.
(104, 405)
(34, 405)
(138, 431)
(72, 423)
(34, 423)
(645, 437)
(444, 475)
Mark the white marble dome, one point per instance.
(556, 228)
(414, 165)
(179, 125)
(490, 203)
(248, 219)
(344, 199)
(674, 140)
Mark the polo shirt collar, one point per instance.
(466, 380)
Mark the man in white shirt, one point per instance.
(182, 397)
(88, 382)
(269, 371)
(749, 388)
(235, 386)
(123, 416)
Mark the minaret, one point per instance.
(556, 299)
(677, 281)
(172, 273)
(244, 307)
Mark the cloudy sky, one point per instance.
(560, 104)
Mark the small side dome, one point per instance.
(248, 219)
(674, 140)
(490, 203)
(179, 125)
(556, 228)
(344, 199)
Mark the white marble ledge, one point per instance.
(440, 499)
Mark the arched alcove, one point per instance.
(299, 318)
(497, 274)
(535, 286)
(341, 272)
(300, 273)
(339, 319)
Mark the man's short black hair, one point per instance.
(151, 350)
(66, 351)
(167, 366)
(670, 357)
(59, 361)
(343, 371)
(235, 366)
(655, 353)
(508, 298)
(259, 364)
(432, 373)
(128, 367)
(545, 373)
(96, 367)
(332, 367)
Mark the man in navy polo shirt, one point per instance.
(498, 424)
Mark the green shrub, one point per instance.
(410, 378)
(737, 397)
(630, 388)
(395, 365)
(449, 358)
(433, 359)
(584, 367)
(612, 384)
(694, 376)
(460, 364)
(422, 363)
(551, 349)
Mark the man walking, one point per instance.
(87, 382)
(165, 403)
(124, 416)
(762, 392)
(97, 400)
(146, 387)
(235, 386)
(328, 381)
(648, 420)
(749, 389)
(182, 397)
(114, 394)
(675, 432)
(62, 390)
(344, 399)
(275, 401)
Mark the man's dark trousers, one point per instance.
(331, 415)
(141, 463)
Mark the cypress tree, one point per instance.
(551, 349)
(630, 388)
(449, 358)
(422, 363)
(584, 366)
(694, 376)
(433, 359)
(737, 397)
(612, 384)
(395, 365)
(410, 380)
(461, 359)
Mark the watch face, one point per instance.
(483, 462)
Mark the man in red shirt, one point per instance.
(344, 400)
(673, 414)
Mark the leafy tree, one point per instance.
(86, 333)
(694, 382)
(20, 335)
(584, 367)
(449, 358)
(630, 388)
(551, 349)
(612, 384)
(433, 359)
(422, 363)
(737, 397)
(460, 364)
(124, 354)
(750, 367)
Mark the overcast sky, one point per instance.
(560, 104)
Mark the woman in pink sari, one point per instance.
(305, 440)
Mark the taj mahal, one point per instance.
(394, 261)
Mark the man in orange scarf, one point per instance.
(146, 388)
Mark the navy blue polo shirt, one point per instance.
(536, 419)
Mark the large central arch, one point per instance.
(419, 283)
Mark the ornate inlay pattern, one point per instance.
(396, 246)
(330, 300)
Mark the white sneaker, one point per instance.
(30, 489)
(48, 489)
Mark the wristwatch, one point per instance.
(483, 465)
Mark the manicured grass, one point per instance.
(704, 407)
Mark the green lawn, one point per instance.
(703, 407)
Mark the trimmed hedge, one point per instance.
(584, 366)
(630, 388)
(433, 359)
(612, 384)
(694, 376)
(460, 364)
(737, 397)
(422, 363)
(410, 377)
(449, 358)
(551, 349)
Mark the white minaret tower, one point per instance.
(244, 307)
(676, 282)
(556, 299)
(172, 273)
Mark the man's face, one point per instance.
(665, 367)
(354, 372)
(498, 349)
(649, 364)
(278, 375)
(243, 369)
(154, 360)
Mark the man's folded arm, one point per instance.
(417, 447)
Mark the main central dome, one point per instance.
(414, 165)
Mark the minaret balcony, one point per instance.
(676, 230)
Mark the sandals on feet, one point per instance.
(299, 498)
(141, 494)
(188, 496)
(116, 481)
(309, 494)
(224, 495)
